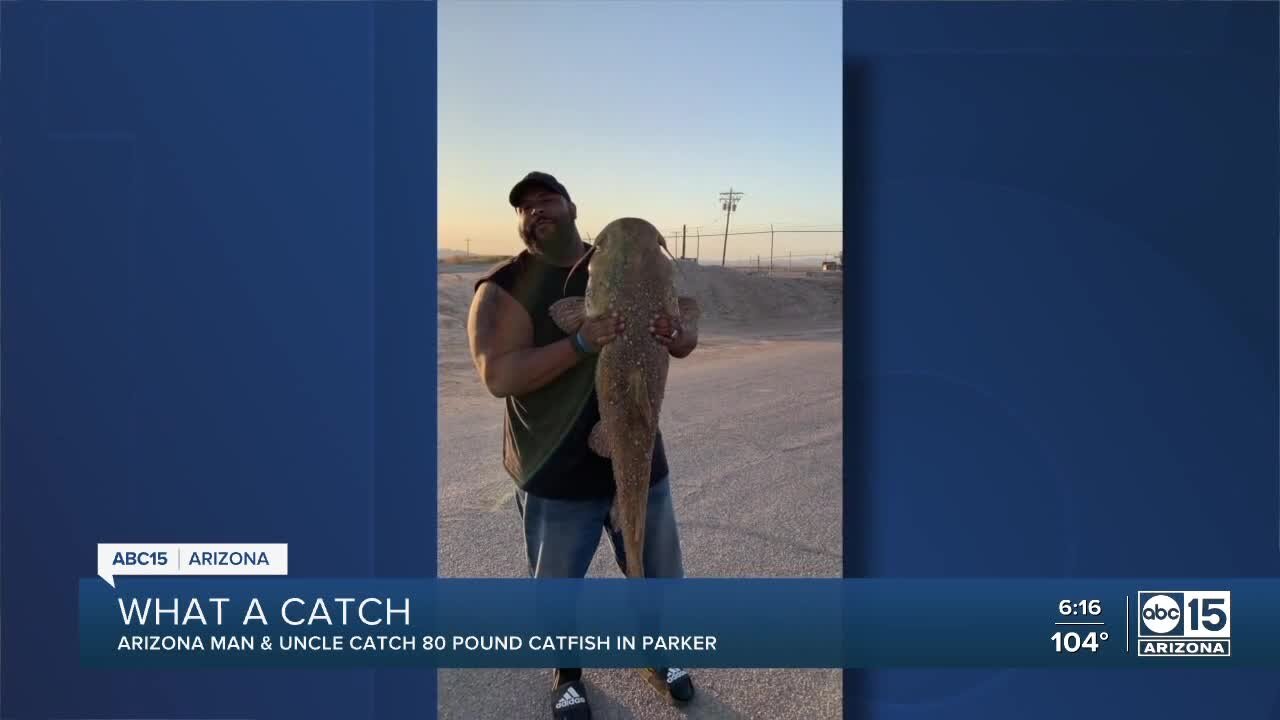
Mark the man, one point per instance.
(563, 489)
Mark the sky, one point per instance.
(644, 108)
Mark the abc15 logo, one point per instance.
(1184, 614)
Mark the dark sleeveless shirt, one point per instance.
(545, 432)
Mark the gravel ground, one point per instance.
(753, 428)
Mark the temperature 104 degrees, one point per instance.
(1073, 641)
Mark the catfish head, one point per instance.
(627, 250)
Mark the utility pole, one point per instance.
(468, 247)
(770, 248)
(698, 253)
(684, 240)
(728, 201)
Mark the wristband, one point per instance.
(580, 344)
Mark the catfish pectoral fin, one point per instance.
(599, 440)
(569, 313)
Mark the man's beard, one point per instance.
(562, 244)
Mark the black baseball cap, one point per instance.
(538, 179)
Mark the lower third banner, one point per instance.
(147, 622)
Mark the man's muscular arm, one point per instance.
(501, 334)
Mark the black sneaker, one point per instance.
(569, 702)
(675, 683)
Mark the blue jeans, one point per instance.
(561, 536)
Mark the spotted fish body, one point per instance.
(629, 275)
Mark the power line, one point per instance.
(766, 232)
(703, 226)
(808, 225)
(779, 231)
(778, 227)
(676, 233)
(745, 258)
(753, 260)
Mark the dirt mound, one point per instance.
(743, 298)
(729, 297)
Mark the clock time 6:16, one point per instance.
(1073, 608)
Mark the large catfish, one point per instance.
(629, 275)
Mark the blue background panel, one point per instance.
(1063, 230)
(217, 281)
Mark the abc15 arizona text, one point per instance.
(1184, 623)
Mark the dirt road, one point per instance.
(753, 429)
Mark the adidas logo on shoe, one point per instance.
(569, 699)
(673, 683)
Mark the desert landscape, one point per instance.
(753, 427)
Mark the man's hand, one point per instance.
(668, 331)
(601, 331)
